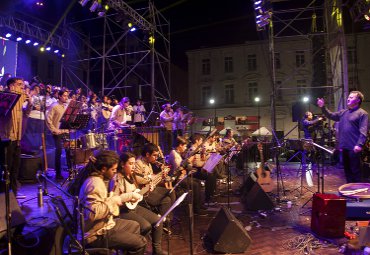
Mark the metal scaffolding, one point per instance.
(24, 28)
(122, 62)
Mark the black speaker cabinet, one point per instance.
(253, 197)
(227, 234)
(328, 215)
(29, 167)
(16, 213)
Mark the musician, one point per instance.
(228, 140)
(167, 118)
(53, 118)
(31, 140)
(179, 168)
(11, 128)
(179, 123)
(106, 107)
(211, 145)
(144, 172)
(139, 113)
(309, 125)
(101, 230)
(119, 116)
(198, 163)
(125, 183)
(353, 126)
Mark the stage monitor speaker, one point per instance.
(227, 234)
(328, 215)
(16, 213)
(253, 197)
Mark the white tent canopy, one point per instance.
(262, 131)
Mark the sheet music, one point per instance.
(211, 162)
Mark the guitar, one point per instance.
(263, 172)
(155, 181)
(168, 182)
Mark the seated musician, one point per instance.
(144, 174)
(198, 163)
(101, 229)
(211, 145)
(179, 168)
(124, 183)
(228, 140)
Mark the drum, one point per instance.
(88, 141)
(101, 140)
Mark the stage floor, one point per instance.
(271, 231)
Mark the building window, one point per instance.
(206, 66)
(252, 90)
(299, 58)
(252, 62)
(34, 65)
(50, 69)
(277, 60)
(206, 94)
(229, 94)
(351, 56)
(301, 87)
(229, 68)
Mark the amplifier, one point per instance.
(358, 210)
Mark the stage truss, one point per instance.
(119, 61)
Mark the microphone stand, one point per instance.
(5, 178)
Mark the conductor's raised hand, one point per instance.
(320, 102)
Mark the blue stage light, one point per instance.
(8, 35)
(28, 41)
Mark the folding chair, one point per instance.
(71, 245)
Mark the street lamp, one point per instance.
(257, 100)
(306, 100)
(212, 102)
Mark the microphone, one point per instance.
(174, 104)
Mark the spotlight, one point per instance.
(63, 55)
(133, 29)
(367, 17)
(56, 51)
(48, 48)
(35, 43)
(95, 5)
(19, 39)
(8, 35)
(84, 2)
(42, 49)
(28, 41)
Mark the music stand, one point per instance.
(71, 119)
(7, 102)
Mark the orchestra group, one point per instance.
(127, 193)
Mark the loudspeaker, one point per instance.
(16, 213)
(227, 234)
(297, 111)
(328, 215)
(253, 196)
(29, 167)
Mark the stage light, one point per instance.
(8, 35)
(151, 39)
(257, 99)
(19, 39)
(257, 2)
(28, 41)
(48, 48)
(212, 101)
(305, 99)
(94, 6)
(40, 3)
(63, 55)
(367, 17)
(42, 49)
(56, 51)
(84, 2)
(35, 43)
